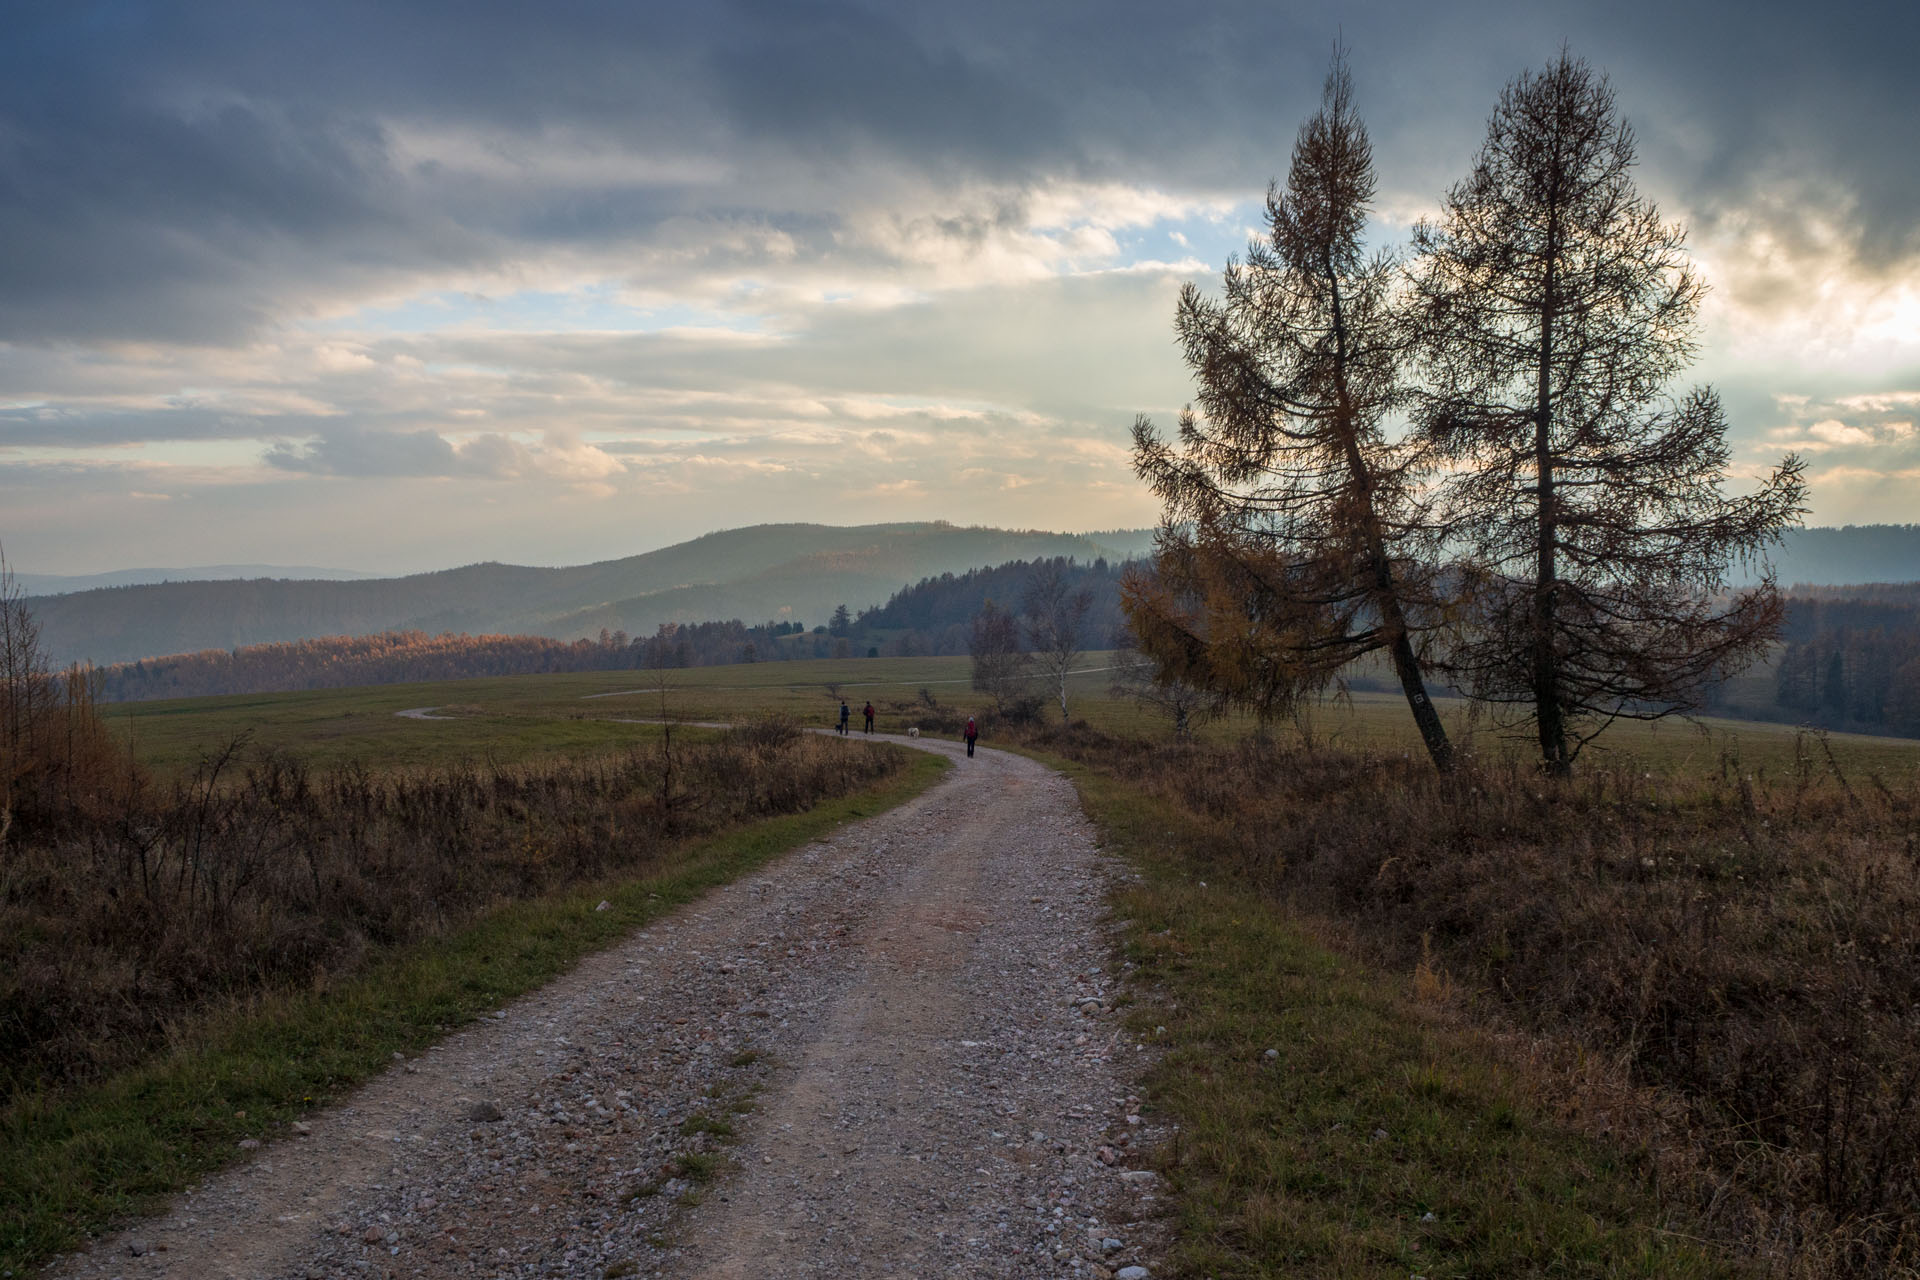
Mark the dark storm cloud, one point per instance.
(1784, 115)
(125, 214)
(86, 428)
(192, 171)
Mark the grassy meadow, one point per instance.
(1339, 1118)
(1684, 980)
(517, 719)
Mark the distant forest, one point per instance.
(930, 617)
(935, 615)
(1851, 659)
(404, 657)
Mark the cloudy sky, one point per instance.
(393, 286)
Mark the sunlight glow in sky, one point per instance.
(398, 287)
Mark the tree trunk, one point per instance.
(1385, 598)
(1546, 676)
(1546, 684)
(1432, 732)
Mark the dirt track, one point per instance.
(906, 1026)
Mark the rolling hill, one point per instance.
(787, 572)
(1855, 553)
(53, 584)
(777, 572)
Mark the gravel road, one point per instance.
(891, 1053)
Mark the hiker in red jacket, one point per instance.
(973, 731)
(869, 717)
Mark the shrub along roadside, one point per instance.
(1377, 1141)
(72, 1163)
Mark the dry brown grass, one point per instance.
(119, 921)
(1725, 966)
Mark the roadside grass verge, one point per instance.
(1713, 963)
(1379, 1139)
(73, 1162)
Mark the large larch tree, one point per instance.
(1295, 535)
(1554, 309)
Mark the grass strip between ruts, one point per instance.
(1375, 1141)
(72, 1165)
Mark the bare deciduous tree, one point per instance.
(1056, 622)
(1140, 680)
(1000, 667)
(26, 689)
(1554, 308)
(55, 751)
(1294, 535)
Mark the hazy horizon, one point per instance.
(28, 577)
(404, 287)
(25, 572)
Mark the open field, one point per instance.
(515, 719)
(525, 718)
(330, 727)
(1676, 959)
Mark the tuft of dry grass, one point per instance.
(255, 874)
(1734, 957)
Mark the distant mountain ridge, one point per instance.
(1851, 554)
(53, 584)
(774, 572)
(785, 572)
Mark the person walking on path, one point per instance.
(869, 716)
(973, 731)
(845, 715)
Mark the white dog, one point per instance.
(914, 732)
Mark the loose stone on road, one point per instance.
(891, 1053)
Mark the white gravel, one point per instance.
(907, 1025)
